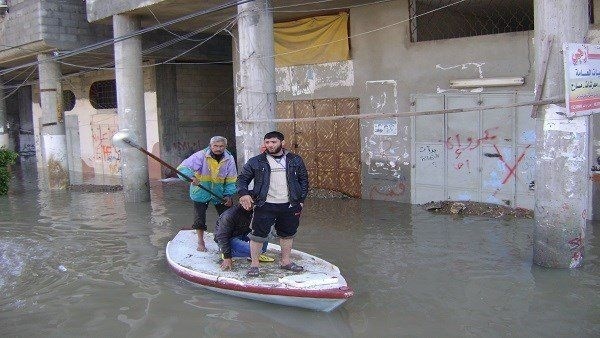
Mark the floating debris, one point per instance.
(457, 207)
(470, 208)
(433, 206)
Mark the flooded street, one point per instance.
(89, 264)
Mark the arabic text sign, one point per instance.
(582, 79)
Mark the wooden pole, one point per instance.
(541, 74)
(407, 114)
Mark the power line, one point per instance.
(112, 41)
(105, 66)
(72, 53)
(367, 32)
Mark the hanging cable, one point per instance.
(112, 41)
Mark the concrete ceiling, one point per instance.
(167, 10)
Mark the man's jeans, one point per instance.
(240, 246)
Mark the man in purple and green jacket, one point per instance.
(213, 168)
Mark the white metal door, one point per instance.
(481, 155)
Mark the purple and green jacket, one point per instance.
(218, 177)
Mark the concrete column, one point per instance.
(130, 103)
(255, 83)
(53, 139)
(3, 126)
(562, 173)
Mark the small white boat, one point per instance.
(319, 287)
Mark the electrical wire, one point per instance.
(184, 37)
(152, 49)
(226, 29)
(367, 32)
(17, 88)
(168, 31)
(112, 41)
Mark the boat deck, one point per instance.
(318, 273)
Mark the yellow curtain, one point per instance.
(313, 40)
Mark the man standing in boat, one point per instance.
(213, 168)
(280, 187)
(231, 234)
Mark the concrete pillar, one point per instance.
(130, 104)
(255, 87)
(53, 139)
(3, 126)
(562, 173)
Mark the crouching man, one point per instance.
(231, 234)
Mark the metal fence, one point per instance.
(446, 19)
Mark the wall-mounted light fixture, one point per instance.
(3, 7)
(487, 82)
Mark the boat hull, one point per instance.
(321, 287)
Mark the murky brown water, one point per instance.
(76, 263)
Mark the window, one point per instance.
(103, 94)
(68, 100)
(447, 19)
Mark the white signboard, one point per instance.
(582, 79)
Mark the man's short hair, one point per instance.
(216, 139)
(274, 134)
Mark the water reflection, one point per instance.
(76, 263)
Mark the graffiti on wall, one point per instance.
(107, 158)
(389, 190)
(507, 166)
(429, 154)
(459, 143)
(26, 146)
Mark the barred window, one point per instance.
(446, 19)
(68, 100)
(103, 94)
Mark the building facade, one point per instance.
(404, 57)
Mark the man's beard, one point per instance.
(276, 151)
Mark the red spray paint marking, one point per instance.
(512, 171)
(454, 141)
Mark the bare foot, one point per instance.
(201, 247)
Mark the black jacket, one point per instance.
(257, 168)
(234, 222)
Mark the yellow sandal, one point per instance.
(263, 259)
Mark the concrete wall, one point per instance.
(32, 26)
(195, 103)
(64, 24)
(386, 68)
(22, 25)
(100, 9)
(97, 126)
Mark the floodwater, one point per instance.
(79, 263)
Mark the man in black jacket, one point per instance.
(231, 234)
(280, 187)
